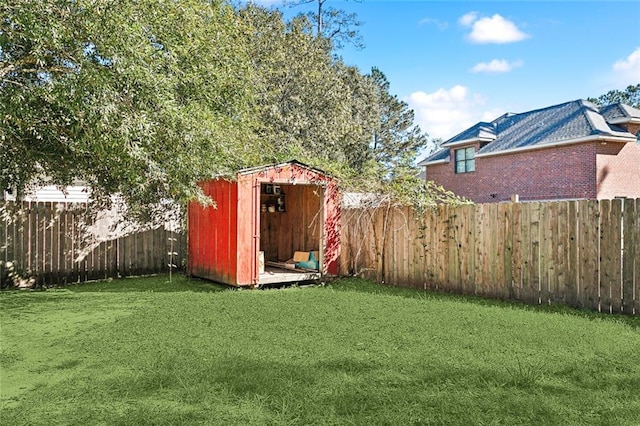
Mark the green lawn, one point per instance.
(146, 351)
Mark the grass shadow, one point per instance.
(361, 285)
(158, 284)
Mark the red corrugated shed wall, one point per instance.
(212, 233)
(246, 254)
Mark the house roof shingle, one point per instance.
(565, 122)
(481, 130)
(620, 112)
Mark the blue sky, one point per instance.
(459, 62)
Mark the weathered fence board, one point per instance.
(559, 294)
(631, 256)
(578, 253)
(52, 243)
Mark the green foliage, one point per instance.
(310, 105)
(313, 106)
(629, 96)
(145, 351)
(144, 99)
(389, 165)
(397, 140)
(137, 98)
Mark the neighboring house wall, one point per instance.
(78, 193)
(563, 172)
(631, 128)
(618, 167)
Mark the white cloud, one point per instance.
(496, 66)
(627, 71)
(445, 113)
(468, 19)
(495, 29)
(441, 25)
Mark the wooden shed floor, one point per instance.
(274, 275)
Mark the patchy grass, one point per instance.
(145, 351)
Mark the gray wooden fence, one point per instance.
(578, 253)
(58, 243)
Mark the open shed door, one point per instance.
(291, 220)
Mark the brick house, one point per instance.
(574, 150)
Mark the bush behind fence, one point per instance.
(58, 243)
(584, 253)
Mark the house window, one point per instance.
(465, 160)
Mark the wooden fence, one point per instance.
(58, 243)
(578, 253)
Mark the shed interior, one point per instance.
(291, 219)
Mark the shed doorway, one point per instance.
(290, 220)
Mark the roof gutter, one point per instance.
(623, 120)
(422, 163)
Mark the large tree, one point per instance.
(397, 139)
(309, 104)
(145, 98)
(138, 98)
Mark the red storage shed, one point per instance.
(262, 220)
